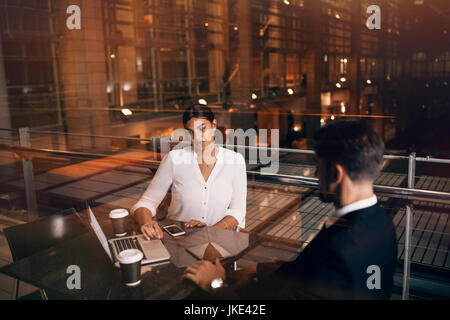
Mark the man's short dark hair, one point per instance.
(355, 145)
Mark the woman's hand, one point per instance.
(194, 224)
(151, 230)
(227, 223)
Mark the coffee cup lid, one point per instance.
(130, 256)
(118, 213)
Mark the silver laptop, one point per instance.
(154, 250)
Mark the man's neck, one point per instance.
(353, 193)
(354, 206)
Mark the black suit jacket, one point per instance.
(335, 264)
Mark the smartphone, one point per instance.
(174, 230)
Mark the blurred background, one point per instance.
(86, 115)
(293, 65)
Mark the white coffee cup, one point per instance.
(119, 220)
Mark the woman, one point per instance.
(209, 182)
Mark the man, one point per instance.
(354, 255)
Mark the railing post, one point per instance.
(411, 169)
(28, 176)
(408, 231)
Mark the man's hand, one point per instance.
(151, 230)
(194, 224)
(203, 272)
(242, 277)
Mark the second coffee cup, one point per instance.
(130, 264)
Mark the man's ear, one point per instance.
(214, 123)
(339, 173)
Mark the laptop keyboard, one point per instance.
(127, 243)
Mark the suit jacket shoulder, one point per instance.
(339, 261)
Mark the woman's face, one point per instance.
(201, 131)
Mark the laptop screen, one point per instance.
(99, 233)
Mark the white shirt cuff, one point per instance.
(239, 215)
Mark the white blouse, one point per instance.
(224, 193)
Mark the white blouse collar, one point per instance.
(219, 155)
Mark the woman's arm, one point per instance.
(235, 215)
(145, 209)
(149, 228)
(143, 215)
(228, 223)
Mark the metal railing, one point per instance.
(409, 193)
(298, 151)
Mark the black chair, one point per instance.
(27, 239)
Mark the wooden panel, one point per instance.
(74, 193)
(117, 178)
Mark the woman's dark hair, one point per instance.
(355, 145)
(198, 111)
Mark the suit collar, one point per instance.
(355, 206)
